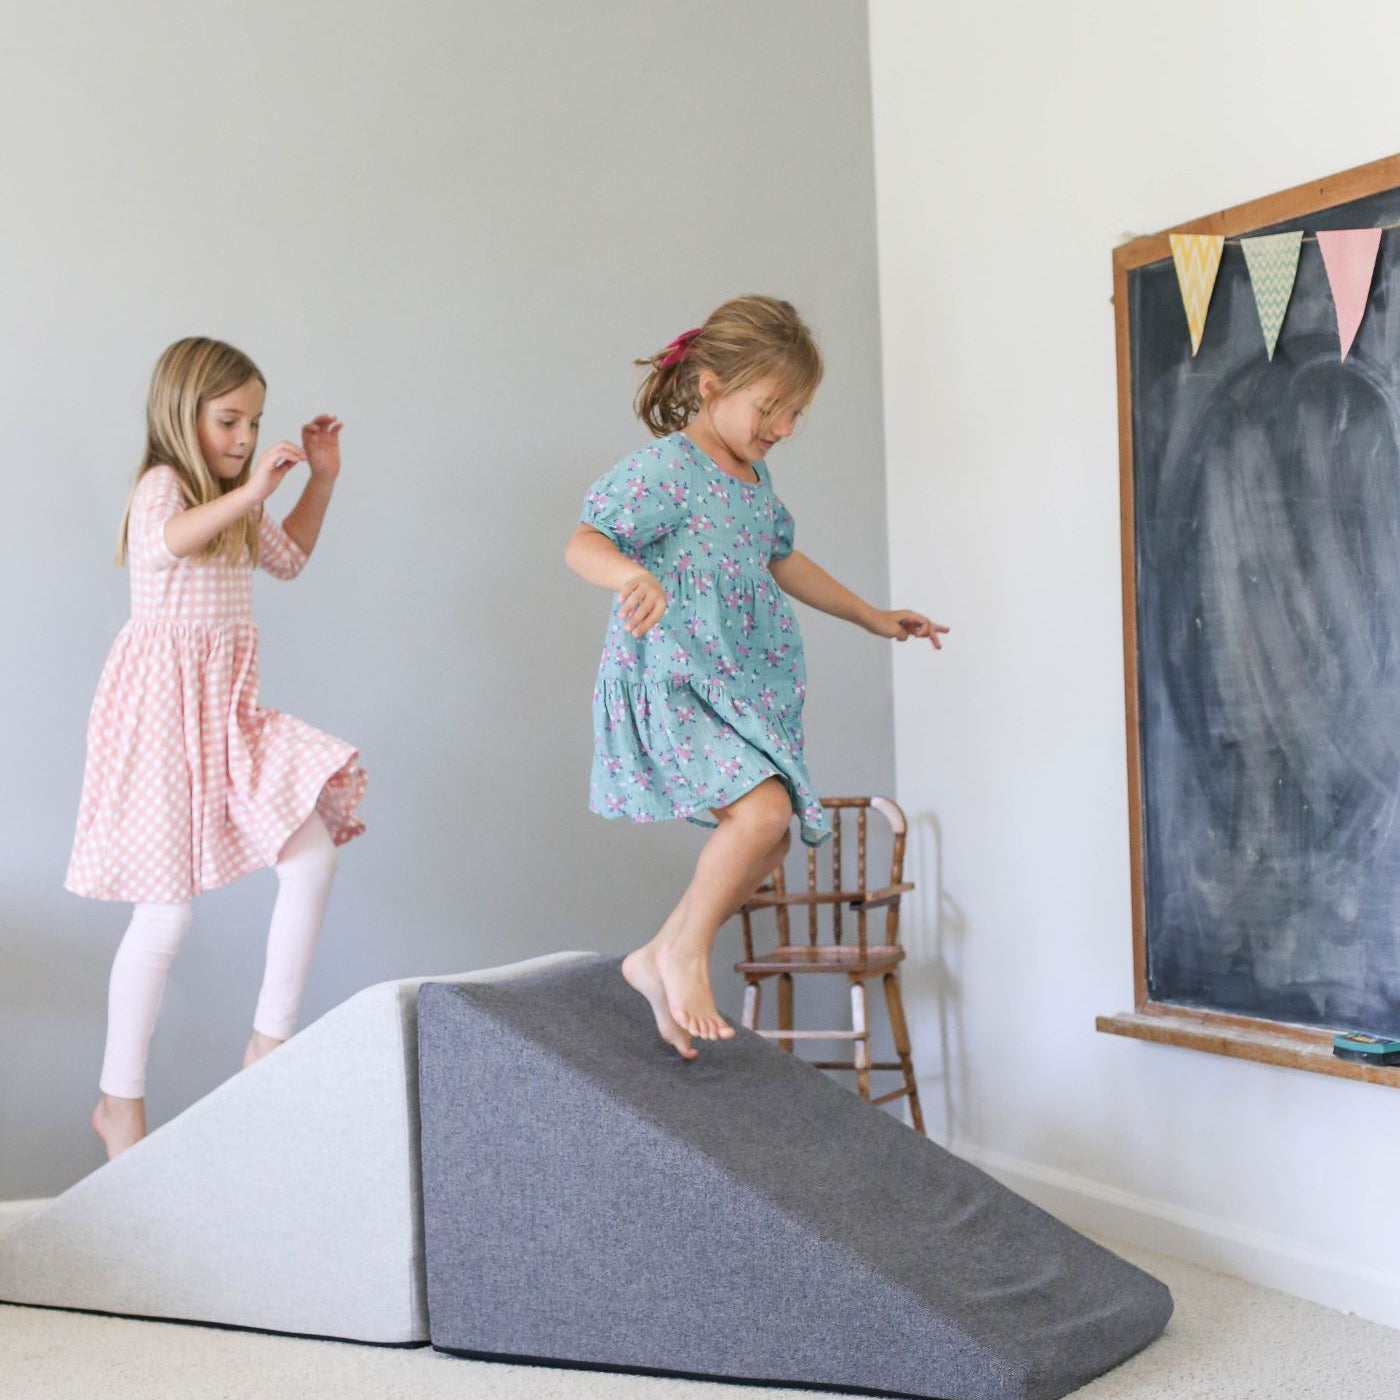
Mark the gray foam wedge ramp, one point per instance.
(591, 1199)
(286, 1200)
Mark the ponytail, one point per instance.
(742, 341)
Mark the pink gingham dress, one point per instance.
(189, 782)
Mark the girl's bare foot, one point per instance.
(639, 968)
(259, 1046)
(120, 1123)
(685, 975)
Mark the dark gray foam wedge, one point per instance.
(591, 1199)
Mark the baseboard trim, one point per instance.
(1256, 1256)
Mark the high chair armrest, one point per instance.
(769, 900)
(871, 899)
(879, 899)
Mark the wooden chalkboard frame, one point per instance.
(1241, 1037)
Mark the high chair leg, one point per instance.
(895, 1001)
(753, 991)
(785, 1007)
(861, 1026)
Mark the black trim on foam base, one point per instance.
(563, 1364)
(218, 1326)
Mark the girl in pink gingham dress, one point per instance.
(189, 782)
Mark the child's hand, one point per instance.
(902, 623)
(321, 438)
(273, 465)
(641, 603)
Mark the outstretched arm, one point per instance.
(321, 439)
(804, 579)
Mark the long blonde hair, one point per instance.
(186, 377)
(742, 341)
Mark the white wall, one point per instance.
(454, 224)
(1015, 145)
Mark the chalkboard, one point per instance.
(1262, 621)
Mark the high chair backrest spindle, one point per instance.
(837, 894)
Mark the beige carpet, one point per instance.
(1228, 1341)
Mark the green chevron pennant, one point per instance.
(1272, 259)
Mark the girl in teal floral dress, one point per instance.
(697, 711)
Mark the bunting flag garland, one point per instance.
(1350, 258)
(1197, 258)
(1272, 259)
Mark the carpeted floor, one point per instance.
(1227, 1341)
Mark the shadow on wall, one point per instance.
(53, 989)
(934, 947)
(39, 951)
(934, 934)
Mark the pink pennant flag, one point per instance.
(1350, 257)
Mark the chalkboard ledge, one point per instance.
(1291, 1047)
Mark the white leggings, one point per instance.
(304, 872)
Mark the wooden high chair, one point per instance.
(858, 961)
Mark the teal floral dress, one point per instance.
(709, 703)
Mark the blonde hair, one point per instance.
(742, 341)
(186, 377)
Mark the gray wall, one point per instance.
(455, 225)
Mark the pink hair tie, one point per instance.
(676, 350)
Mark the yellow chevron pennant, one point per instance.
(1197, 258)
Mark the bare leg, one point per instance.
(258, 1046)
(120, 1123)
(639, 967)
(730, 865)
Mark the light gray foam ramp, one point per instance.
(741, 1216)
(285, 1200)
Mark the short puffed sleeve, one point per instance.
(157, 499)
(642, 499)
(783, 530)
